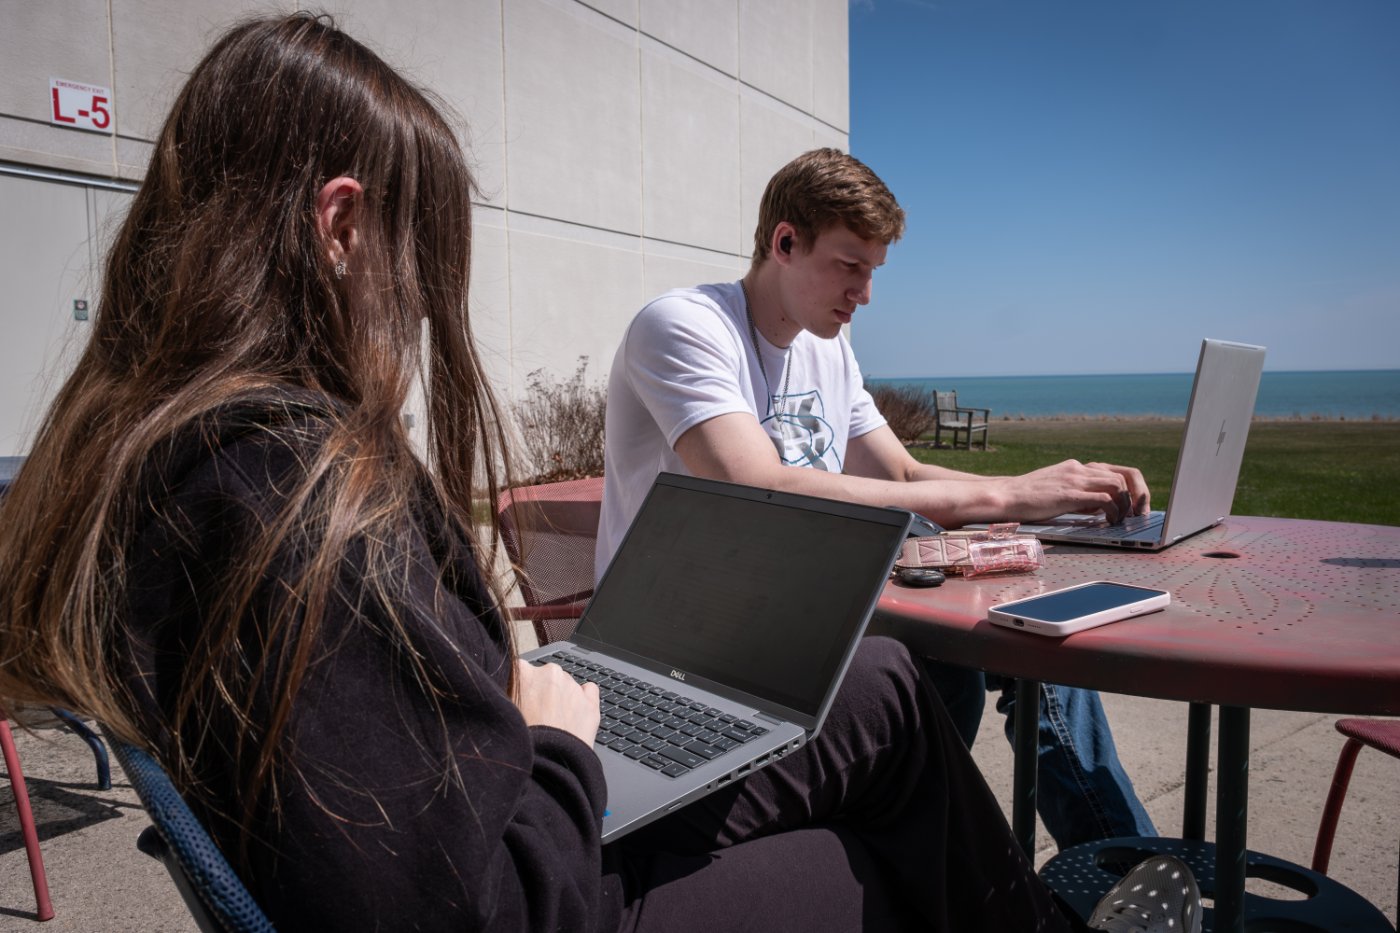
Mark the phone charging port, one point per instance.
(1020, 622)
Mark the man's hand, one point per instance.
(547, 696)
(1071, 486)
(880, 471)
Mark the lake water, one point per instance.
(1357, 395)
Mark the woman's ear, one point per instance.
(337, 220)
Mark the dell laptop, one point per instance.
(719, 634)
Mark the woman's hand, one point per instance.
(547, 696)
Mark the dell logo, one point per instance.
(678, 675)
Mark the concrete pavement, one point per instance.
(101, 884)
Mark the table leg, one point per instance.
(1231, 817)
(1193, 819)
(1026, 732)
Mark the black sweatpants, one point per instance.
(883, 822)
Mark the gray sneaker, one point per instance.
(1159, 895)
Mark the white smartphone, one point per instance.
(1076, 608)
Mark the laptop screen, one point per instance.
(756, 590)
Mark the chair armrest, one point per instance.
(567, 610)
(551, 621)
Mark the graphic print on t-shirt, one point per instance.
(801, 432)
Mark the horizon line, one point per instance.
(1024, 375)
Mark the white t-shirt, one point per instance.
(688, 357)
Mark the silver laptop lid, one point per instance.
(1213, 438)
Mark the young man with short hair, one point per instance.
(746, 381)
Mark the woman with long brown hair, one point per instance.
(224, 547)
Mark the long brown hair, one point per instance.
(218, 292)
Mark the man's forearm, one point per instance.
(951, 500)
(929, 471)
(733, 447)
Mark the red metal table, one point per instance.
(1266, 612)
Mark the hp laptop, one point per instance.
(719, 635)
(1207, 465)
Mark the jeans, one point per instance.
(1083, 793)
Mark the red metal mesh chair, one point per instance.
(26, 821)
(1380, 734)
(549, 531)
(41, 717)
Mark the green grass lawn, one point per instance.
(1339, 470)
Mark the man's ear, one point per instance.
(782, 242)
(337, 219)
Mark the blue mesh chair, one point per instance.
(212, 890)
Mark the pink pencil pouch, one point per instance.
(996, 549)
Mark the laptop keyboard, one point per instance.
(663, 730)
(1133, 524)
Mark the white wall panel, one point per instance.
(824, 137)
(690, 151)
(132, 157)
(570, 298)
(33, 143)
(53, 39)
(453, 48)
(573, 115)
(155, 44)
(831, 68)
(775, 49)
(664, 272)
(489, 301)
(707, 30)
(624, 11)
(771, 136)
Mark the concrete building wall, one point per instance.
(621, 146)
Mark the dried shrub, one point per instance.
(561, 425)
(910, 411)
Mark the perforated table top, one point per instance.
(1266, 612)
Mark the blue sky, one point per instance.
(1095, 185)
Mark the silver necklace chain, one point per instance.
(787, 354)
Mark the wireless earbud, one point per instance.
(785, 244)
(920, 576)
